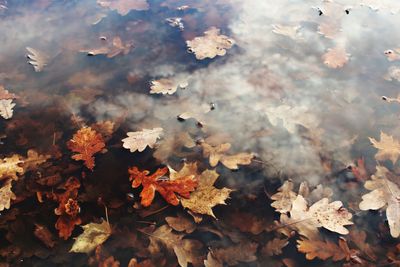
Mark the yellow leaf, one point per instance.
(94, 234)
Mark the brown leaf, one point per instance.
(232, 255)
(217, 154)
(124, 6)
(181, 223)
(325, 250)
(275, 246)
(388, 148)
(284, 198)
(4, 94)
(168, 189)
(210, 45)
(336, 57)
(86, 142)
(44, 235)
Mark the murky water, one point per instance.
(306, 115)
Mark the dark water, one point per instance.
(271, 95)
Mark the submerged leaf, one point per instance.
(6, 195)
(37, 59)
(124, 6)
(388, 148)
(94, 234)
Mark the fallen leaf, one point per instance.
(44, 235)
(5, 94)
(284, 198)
(388, 148)
(274, 246)
(168, 189)
(285, 30)
(94, 234)
(210, 45)
(6, 195)
(33, 160)
(141, 139)
(86, 142)
(124, 6)
(336, 57)
(37, 59)
(6, 108)
(181, 223)
(217, 154)
(165, 86)
(232, 255)
(393, 55)
(325, 250)
(206, 196)
(10, 167)
(383, 193)
(393, 74)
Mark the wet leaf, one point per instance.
(217, 154)
(336, 57)
(165, 86)
(275, 246)
(11, 167)
(86, 142)
(124, 6)
(242, 252)
(388, 148)
(6, 108)
(383, 193)
(206, 196)
(324, 250)
(140, 140)
(168, 188)
(94, 234)
(37, 59)
(6, 195)
(284, 198)
(210, 45)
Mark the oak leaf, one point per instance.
(284, 198)
(86, 142)
(168, 188)
(388, 148)
(217, 154)
(233, 255)
(141, 139)
(275, 246)
(206, 196)
(5, 94)
(11, 167)
(210, 45)
(37, 59)
(331, 216)
(166, 86)
(384, 192)
(124, 6)
(186, 250)
(33, 160)
(6, 195)
(325, 250)
(94, 234)
(336, 57)
(6, 108)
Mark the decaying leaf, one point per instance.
(206, 196)
(217, 154)
(166, 86)
(33, 160)
(388, 148)
(37, 59)
(336, 57)
(10, 167)
(5, 94)
(186, 250)
(284, 198)
(86, 142)
(141, 139)
(324, 250)
(6, 108)
(111, 49)
(94, 234)
(44, 235)
(210, 45)
(232, 255)
(275, 246)
(383, 193)
(168, 188)
(6, 195)
(331, 216)
(181, 223)
(124, 6)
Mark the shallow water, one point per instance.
(273, 94)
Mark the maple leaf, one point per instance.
(186, 250)
(124, 6)
(336, 57)
(94, 234)
(165, 86)
(10, 167)
(206, 196)
(210, 45)
(6, 108)
(6, 195)
(217, 154)
(37, 59)
(331, 216)
(284, 198)
(168, 189)
(141, 139)
(324, 250)
(384, 192)
(388, 148)
(86, 142)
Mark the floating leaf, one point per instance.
(388, 148)
(325, 250)
(86, 142)
(94, 234)
(10, 167)
(210, 45)
(336, 57)
(217, 154)
(140, 140)
(37, 59)
(284, 198)
(165, 86)
(6, 108)
(124, 6)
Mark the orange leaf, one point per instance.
(86, 142)
(168, 189)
